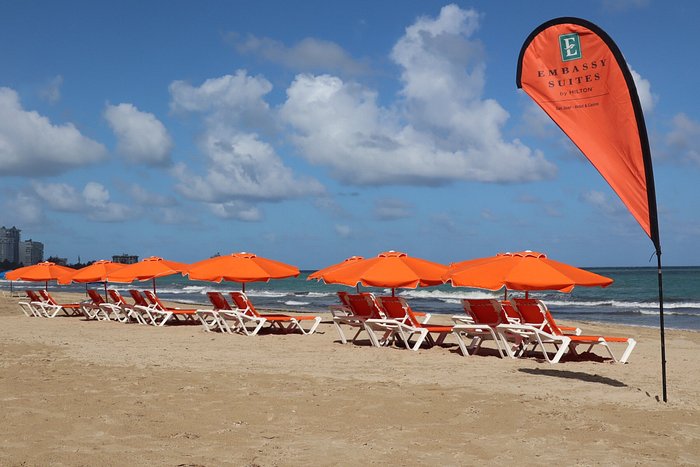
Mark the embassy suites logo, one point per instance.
(570, 47)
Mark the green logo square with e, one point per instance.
(570, 47)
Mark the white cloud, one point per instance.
(684, 139)
(23, 209)
(94, 201)
(489, 215)
(59, 196)
(610, 207)
(443, 130)
(646, 97)
(168, 215)
(239, 165)
(51, 92)
(445, 222)
(391, 209)
(236, 210)
(236, 99)
(343, 230)
(31, 145)
(141, 137)
(308, 54)
(536, 122)
(146, 198)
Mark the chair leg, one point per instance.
(423, 334)
(565, 342)
(631, 343)
(343, 339)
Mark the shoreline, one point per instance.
(96, 392)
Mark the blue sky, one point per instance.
(312, 131)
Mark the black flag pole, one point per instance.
(661, 327)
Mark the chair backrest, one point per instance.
(218, 300)
(47, 297)
(485, 311)
(510, 310)
(409, 312)
(343, 296)
(33, 297)
(155, 301)
(240, 299)
(395, 308)
(95, 297)
(138, 298)
(363, 306)
(535, 312)
(116, 297)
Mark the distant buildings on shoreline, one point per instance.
(26, 253)
(13, 250)
(125, 259)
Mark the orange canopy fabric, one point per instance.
(99, 271)
(321, 272)
(526, 270)
(240, 267)
(148, 268)
(389, 269)
(40, 272)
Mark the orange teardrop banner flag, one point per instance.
(576, 73)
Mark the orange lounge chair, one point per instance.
(143, 308)
(70, 309)
(529, 311)
(217, 317)
(35, 306)
(93, 309)
(356, 309)
(126, 309)
(401, 319)
(480, 323)
(551, 334)
(167, 313)
(246, 312)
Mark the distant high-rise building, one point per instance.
(9, 244)
(31, 252)
(125, 259)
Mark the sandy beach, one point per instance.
(77, 392)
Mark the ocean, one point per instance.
(632, 299)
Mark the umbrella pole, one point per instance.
(505, 293)
(11, 294)
(86, 289)
(46, 285)
(105, 283)
(243, 286)
(527, 294)
(393, 292)
(154, 286)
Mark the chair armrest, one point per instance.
(462, 319)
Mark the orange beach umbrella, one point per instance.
(40, 272)
(240, 267)
(99, 271)
(321, 272)
(525, 270)
(148, 268)
(388, 269)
